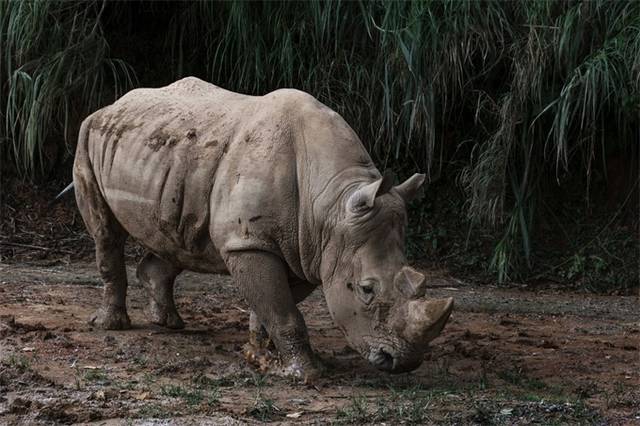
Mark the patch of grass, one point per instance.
(96, 375)
(213, 397)
(190, 396)
(17, 361)
(202, 380)
(622, 395)
(211, 387)
(140, 361)
(512, 376)
(126, 384)
(154, 411)
(576, 412)
(406, 406)
(357, 411)
(483, 380)
(409, 406)
(149, 378)
(264, 409)
(258, 380)
(519, 378)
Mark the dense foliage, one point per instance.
(510, 100)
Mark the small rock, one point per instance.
(142, 396)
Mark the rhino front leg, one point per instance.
(262, 278)
(258, 349)
(258, 336)
(157, 277)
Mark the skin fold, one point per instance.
(276, 190)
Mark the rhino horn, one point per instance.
(426, 319)
(411, 283)
(409, 188)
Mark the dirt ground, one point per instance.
(507, 356)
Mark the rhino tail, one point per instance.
(61, 194)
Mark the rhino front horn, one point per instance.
(426, 319)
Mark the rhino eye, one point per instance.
(366, 290)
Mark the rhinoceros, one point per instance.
(276, 190)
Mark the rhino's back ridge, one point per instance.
(157, 155)
(185, 164)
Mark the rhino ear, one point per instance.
(363, 198)
(411, 283)
(409, 188)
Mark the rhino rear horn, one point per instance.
(411, 283)
(409, 188)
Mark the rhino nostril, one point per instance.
(387, 362)
(381, 359)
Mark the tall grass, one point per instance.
(536, 89)
(54, 69)
(509, 96)
(573, 92)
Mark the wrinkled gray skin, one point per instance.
(278, 191)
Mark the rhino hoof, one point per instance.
(165, 317)
(260, 357)
(111, 319)
(307, 371)
(171, 320)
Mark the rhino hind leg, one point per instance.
(109, 238)
(262, 279)
(157, 277)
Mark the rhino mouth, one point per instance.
(392, 360)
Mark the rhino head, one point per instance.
(374, 297)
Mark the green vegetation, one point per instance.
(190, 396)
(407, 406)
(263, 408)
(156, 411)
(54, 69)
(518, 103)
(17, 361)
(96, 375)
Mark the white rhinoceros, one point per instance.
(276, 190)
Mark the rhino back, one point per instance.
(155, 154)
(194, 172)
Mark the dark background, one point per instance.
(524, 115)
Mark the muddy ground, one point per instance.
(507, 356)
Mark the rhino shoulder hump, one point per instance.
(293, 98)
(302, 104)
